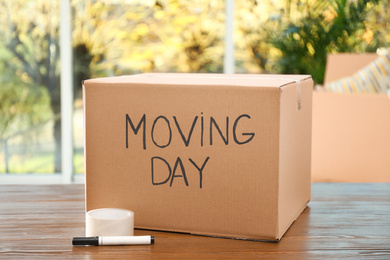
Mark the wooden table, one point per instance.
(341, 221)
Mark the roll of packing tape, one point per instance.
(109, 222)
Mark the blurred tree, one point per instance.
(93, 35)
(176, 36)
(30, 65)
(17, 99)
(29, 30)
(252, 49)
(378, 24)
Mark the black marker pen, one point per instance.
(112, 240)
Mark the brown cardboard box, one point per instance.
(219, 155)
(351, 137)
(350, 131)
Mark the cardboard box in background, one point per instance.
(351, 132)
(351, 137)
(346, 64)
(220, 155)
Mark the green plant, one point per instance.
(328, 27)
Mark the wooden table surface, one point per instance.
(341, 221)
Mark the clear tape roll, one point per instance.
(109, 222)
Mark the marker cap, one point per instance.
(85, 241)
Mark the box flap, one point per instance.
(199, 79)
(345, 64)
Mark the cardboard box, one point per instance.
(351, 137)
(218, 155)
(350, 131)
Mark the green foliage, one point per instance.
(252, 50)
(337, 26)
(29, 32)
(144, 36)
(28, 62)
(21, 103)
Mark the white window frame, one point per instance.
(66, 59)
(67, 175)
(229, 61)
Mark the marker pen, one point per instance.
(112, 240)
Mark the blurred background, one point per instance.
(121, 37)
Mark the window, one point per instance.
(30, 108)
(41, 49)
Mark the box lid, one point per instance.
(202, 79)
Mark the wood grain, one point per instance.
(342, 221)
